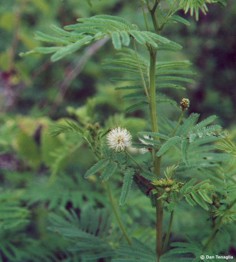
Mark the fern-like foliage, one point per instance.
(88, 235)
(194, 6)
(15, 245)
(227, 146)
(71, 192)
(12, 215)
(169, 75)
(191, 138)
(88, 30)
(190, 146)
(189, 251)
(198, 193)
(137, 252)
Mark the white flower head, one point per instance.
(119, 139)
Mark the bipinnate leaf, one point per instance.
(71, 48)
(184, 148)
(119, 30)
(127, 183)
(109, 170)
(168, 144)
(188, 124)
(97, 167)
(205, 122)
(197, 198)
(179, 19)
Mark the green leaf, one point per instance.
(71, 48)
(159, 38)
(188, 186)
(199, 200)
(184, 148)
(190, 201)
(180, 19)
(97, 167)
(138, 251)
(138, 37)
(116, 40)
(109, 170)
(46, 50)
(188, 124)
(125, 38)
(86, 234)
(127, 183)
(168, 144)
(69, 126)
(205, 122)
(48, 38)
(204, 195)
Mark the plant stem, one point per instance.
(116, 212)
(154, 125)
(178, 124)
(167, 238)
(159, 220)
(153, 15)
(156, 160)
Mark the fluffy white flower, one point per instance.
(119, 139)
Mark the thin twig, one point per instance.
(141, 73)
(116, 213)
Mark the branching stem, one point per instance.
(152, 11)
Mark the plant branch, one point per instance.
(178, 123)
(153, 15)
(217, 227)
(116, 213)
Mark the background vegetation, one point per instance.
(41, 175)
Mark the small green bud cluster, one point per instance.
(165, 186)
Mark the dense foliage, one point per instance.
(113, 164)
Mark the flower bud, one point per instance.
(184, 104)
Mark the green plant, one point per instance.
(174, 163)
